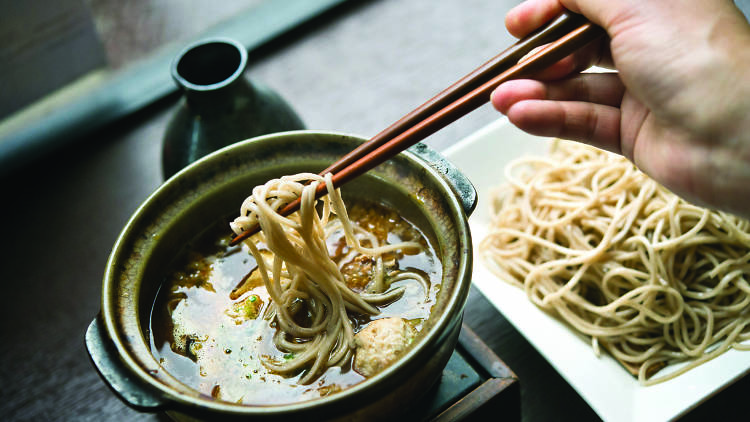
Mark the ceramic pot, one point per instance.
(420, 184)
(220, 105)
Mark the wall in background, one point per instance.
(46, 44)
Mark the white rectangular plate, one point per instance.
(605, 385)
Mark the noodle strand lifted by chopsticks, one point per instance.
(649, 276)
(301, 271)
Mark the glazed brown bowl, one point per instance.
(419, 183)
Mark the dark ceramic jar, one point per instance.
(220, 105)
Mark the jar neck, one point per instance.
(211, 75)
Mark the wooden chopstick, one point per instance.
(563, 24)
(410, 129)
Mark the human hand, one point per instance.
(679, 106)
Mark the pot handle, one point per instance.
(460, 184)
(104, 357)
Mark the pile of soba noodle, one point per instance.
(301, 270)
(650, 277)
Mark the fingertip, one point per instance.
(500, 100)
(513, 23)
(530, 15)
(496, 98)
(511, 92)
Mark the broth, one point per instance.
(211, 336)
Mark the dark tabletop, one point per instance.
(356, 70)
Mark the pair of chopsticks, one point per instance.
(563, 36)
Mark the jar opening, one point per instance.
(209, 63)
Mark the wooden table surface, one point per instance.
(356, 71)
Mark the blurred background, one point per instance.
(58, 53)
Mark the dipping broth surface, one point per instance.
(211, 334)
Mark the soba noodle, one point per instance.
(643, 273)
(300, 273)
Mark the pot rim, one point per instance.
(454, 304)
